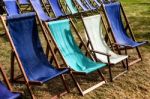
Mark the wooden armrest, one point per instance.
(100, 53)
(121, 45)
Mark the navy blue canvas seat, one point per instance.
(113, 14)
(11, 7)
(23, 35)
(28, 47)
(37, 6)
(56, 8)
(7, 94)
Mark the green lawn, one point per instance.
(133, 85)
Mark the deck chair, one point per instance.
(60, 34)
(7, 93)
(79, 4)
(24, 5)
(33, 64)
(97, 2)
(93, 27)
(122, 39)
(56, 8)
(37, 7)
(88, 2)
(11, 7)
(71, 6)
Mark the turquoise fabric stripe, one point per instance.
(61, 32)
(72, 8)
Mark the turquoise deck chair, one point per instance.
(61, 33)
(71, 6)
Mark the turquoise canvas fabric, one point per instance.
(72, 8)
(61, 32)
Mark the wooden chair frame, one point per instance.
(27, 82)
(49, 38)
(127, 27)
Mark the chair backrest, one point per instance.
(113, 13)
(26, 44)
(24, 2)
(93, 26)
(71, 6)
(39, 10)
(89, 4)
(61, 32)
(84, 7)
(56, 8)
(11, 7)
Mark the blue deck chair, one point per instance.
(84, 7)
(90, 5)
(23, 36)
(97, 2)
(56, 7)
(6, 93)
(11, 7)
(113, 15)
(71, 6)
(37, 6)
(60, 32)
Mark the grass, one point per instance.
(133, 85)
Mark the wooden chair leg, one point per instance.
(30, 90)
(110, 73)
(47, 50)
(123, 64)
(89, 89)
(12, 66)
(64, 82)
(139, 54)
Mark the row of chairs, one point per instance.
(58, 32)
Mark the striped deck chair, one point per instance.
(7, 93)
(60, 34)
(23, 36)
(93, 27)
(112, 13)
(11, 7)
